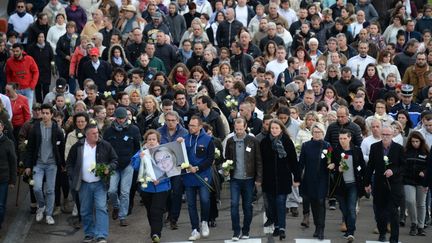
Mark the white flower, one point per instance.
(80, 135)
(217, 152)
(322, 156)
(185, 165)
(31, 182)
(107, 93)
(92, 167)
(228, 97)
(224, 165)
(26, 141)
(74, 36)
(142, 180)
(228, 104)
(343, 155)
(428, 105)
(230, 162)
(129, 122)
(325, 151)
(386, 158)
(148, 178)
(144, 185)
(67, 101)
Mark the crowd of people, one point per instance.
(336, 96)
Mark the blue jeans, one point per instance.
(243, 188)
(50, 172)
(125, 178)
(93, 196)
(347, 204)
(276, 204)
(29, 93)
(204, 194)
(3, 200)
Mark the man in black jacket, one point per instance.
(228, 29)
(85, 155)
(97, 70)
(44, 155)
(385, 165)
(240, 62)
(125, 139)
(211, 116)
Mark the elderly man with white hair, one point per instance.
(97, 40)
(314, 52)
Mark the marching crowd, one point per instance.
(336, 95)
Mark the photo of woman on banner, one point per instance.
(164, 162)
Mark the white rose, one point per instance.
(31, 182)
(141, 180)
(224, 165)
(342, 155)
(325, 151)
(228, 97)
(148, 178)
(230, 162)
(144, 185)
(386, 158)
(322, 156)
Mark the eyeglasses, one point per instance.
(20, 6)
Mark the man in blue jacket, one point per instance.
(200, 150)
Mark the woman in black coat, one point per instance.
(43, 54)
(414, 182)
(281, 163)
(314, 188)
(348, 186)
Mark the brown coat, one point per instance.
(253, 162)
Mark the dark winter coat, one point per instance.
(43, 58)
(277, 171)
(415, 162)
(8, 161)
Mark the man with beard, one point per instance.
(417, 74)
(348, 83)
(264, 98)
(151, 29)
(240, 61)
(197, 55)
(164, 51)
(22, 69)
(228, 29)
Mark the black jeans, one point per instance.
(175, 198)
(155, 205)
(388, 211)
(318, 212)
(62, 182)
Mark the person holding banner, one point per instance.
(154, 193)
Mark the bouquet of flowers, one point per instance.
(144, 180)
(99, 169)
(343, 163)
(230, 102)
(327, 153)
(107, 94)
(227, 166)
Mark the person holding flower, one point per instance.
(350, 168)
(281, 161)
(201, 151)
(315, 158)
(89, 163)
(246, 171)
(154, 193)
(385, 161)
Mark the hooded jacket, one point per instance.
(125, 140)
(24, 71)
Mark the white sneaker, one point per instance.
(40, 214)
(75, 210)
(244, 237)
(195, 235)
(205, 229)
(49, 220)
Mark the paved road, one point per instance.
(20, 226)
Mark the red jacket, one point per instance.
(24, 72)
(20, 110)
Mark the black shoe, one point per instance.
(294, 212)
(115, 213)
(402, 222)
(316, 233)
(268, 223)
(382, 238)
(173, 225)
(212, 223)
(321, 234)
(276, 232)
(33, 210)
(332, 204)
(124, 222)
(413, 230)
(282, 235)
(421, 232)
